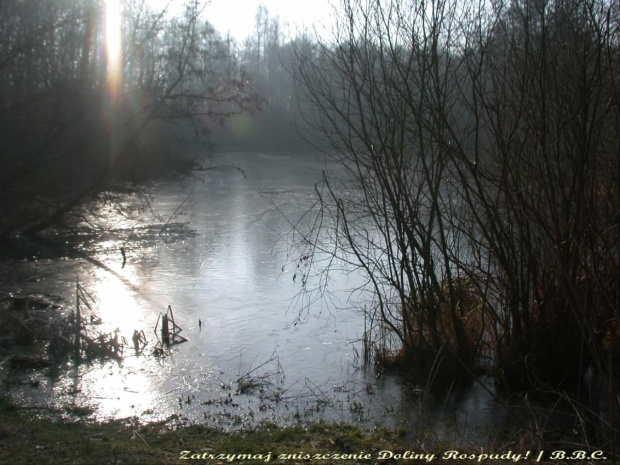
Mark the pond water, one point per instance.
(215, 248)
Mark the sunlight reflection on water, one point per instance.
(116, 303)
(221, 260)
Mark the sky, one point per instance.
(237, 17)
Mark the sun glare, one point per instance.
(113, 42)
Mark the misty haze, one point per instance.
(406, 218)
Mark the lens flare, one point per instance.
(113, 29)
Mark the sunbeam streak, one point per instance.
(113, 28)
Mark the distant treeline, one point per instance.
(72, 120)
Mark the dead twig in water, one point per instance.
(321, 396)
(249, 381)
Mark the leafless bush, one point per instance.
(479, 147)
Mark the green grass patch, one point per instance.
(25, 439)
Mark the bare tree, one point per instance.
(480, 199)
(376, 90)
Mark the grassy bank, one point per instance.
(25, 439)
